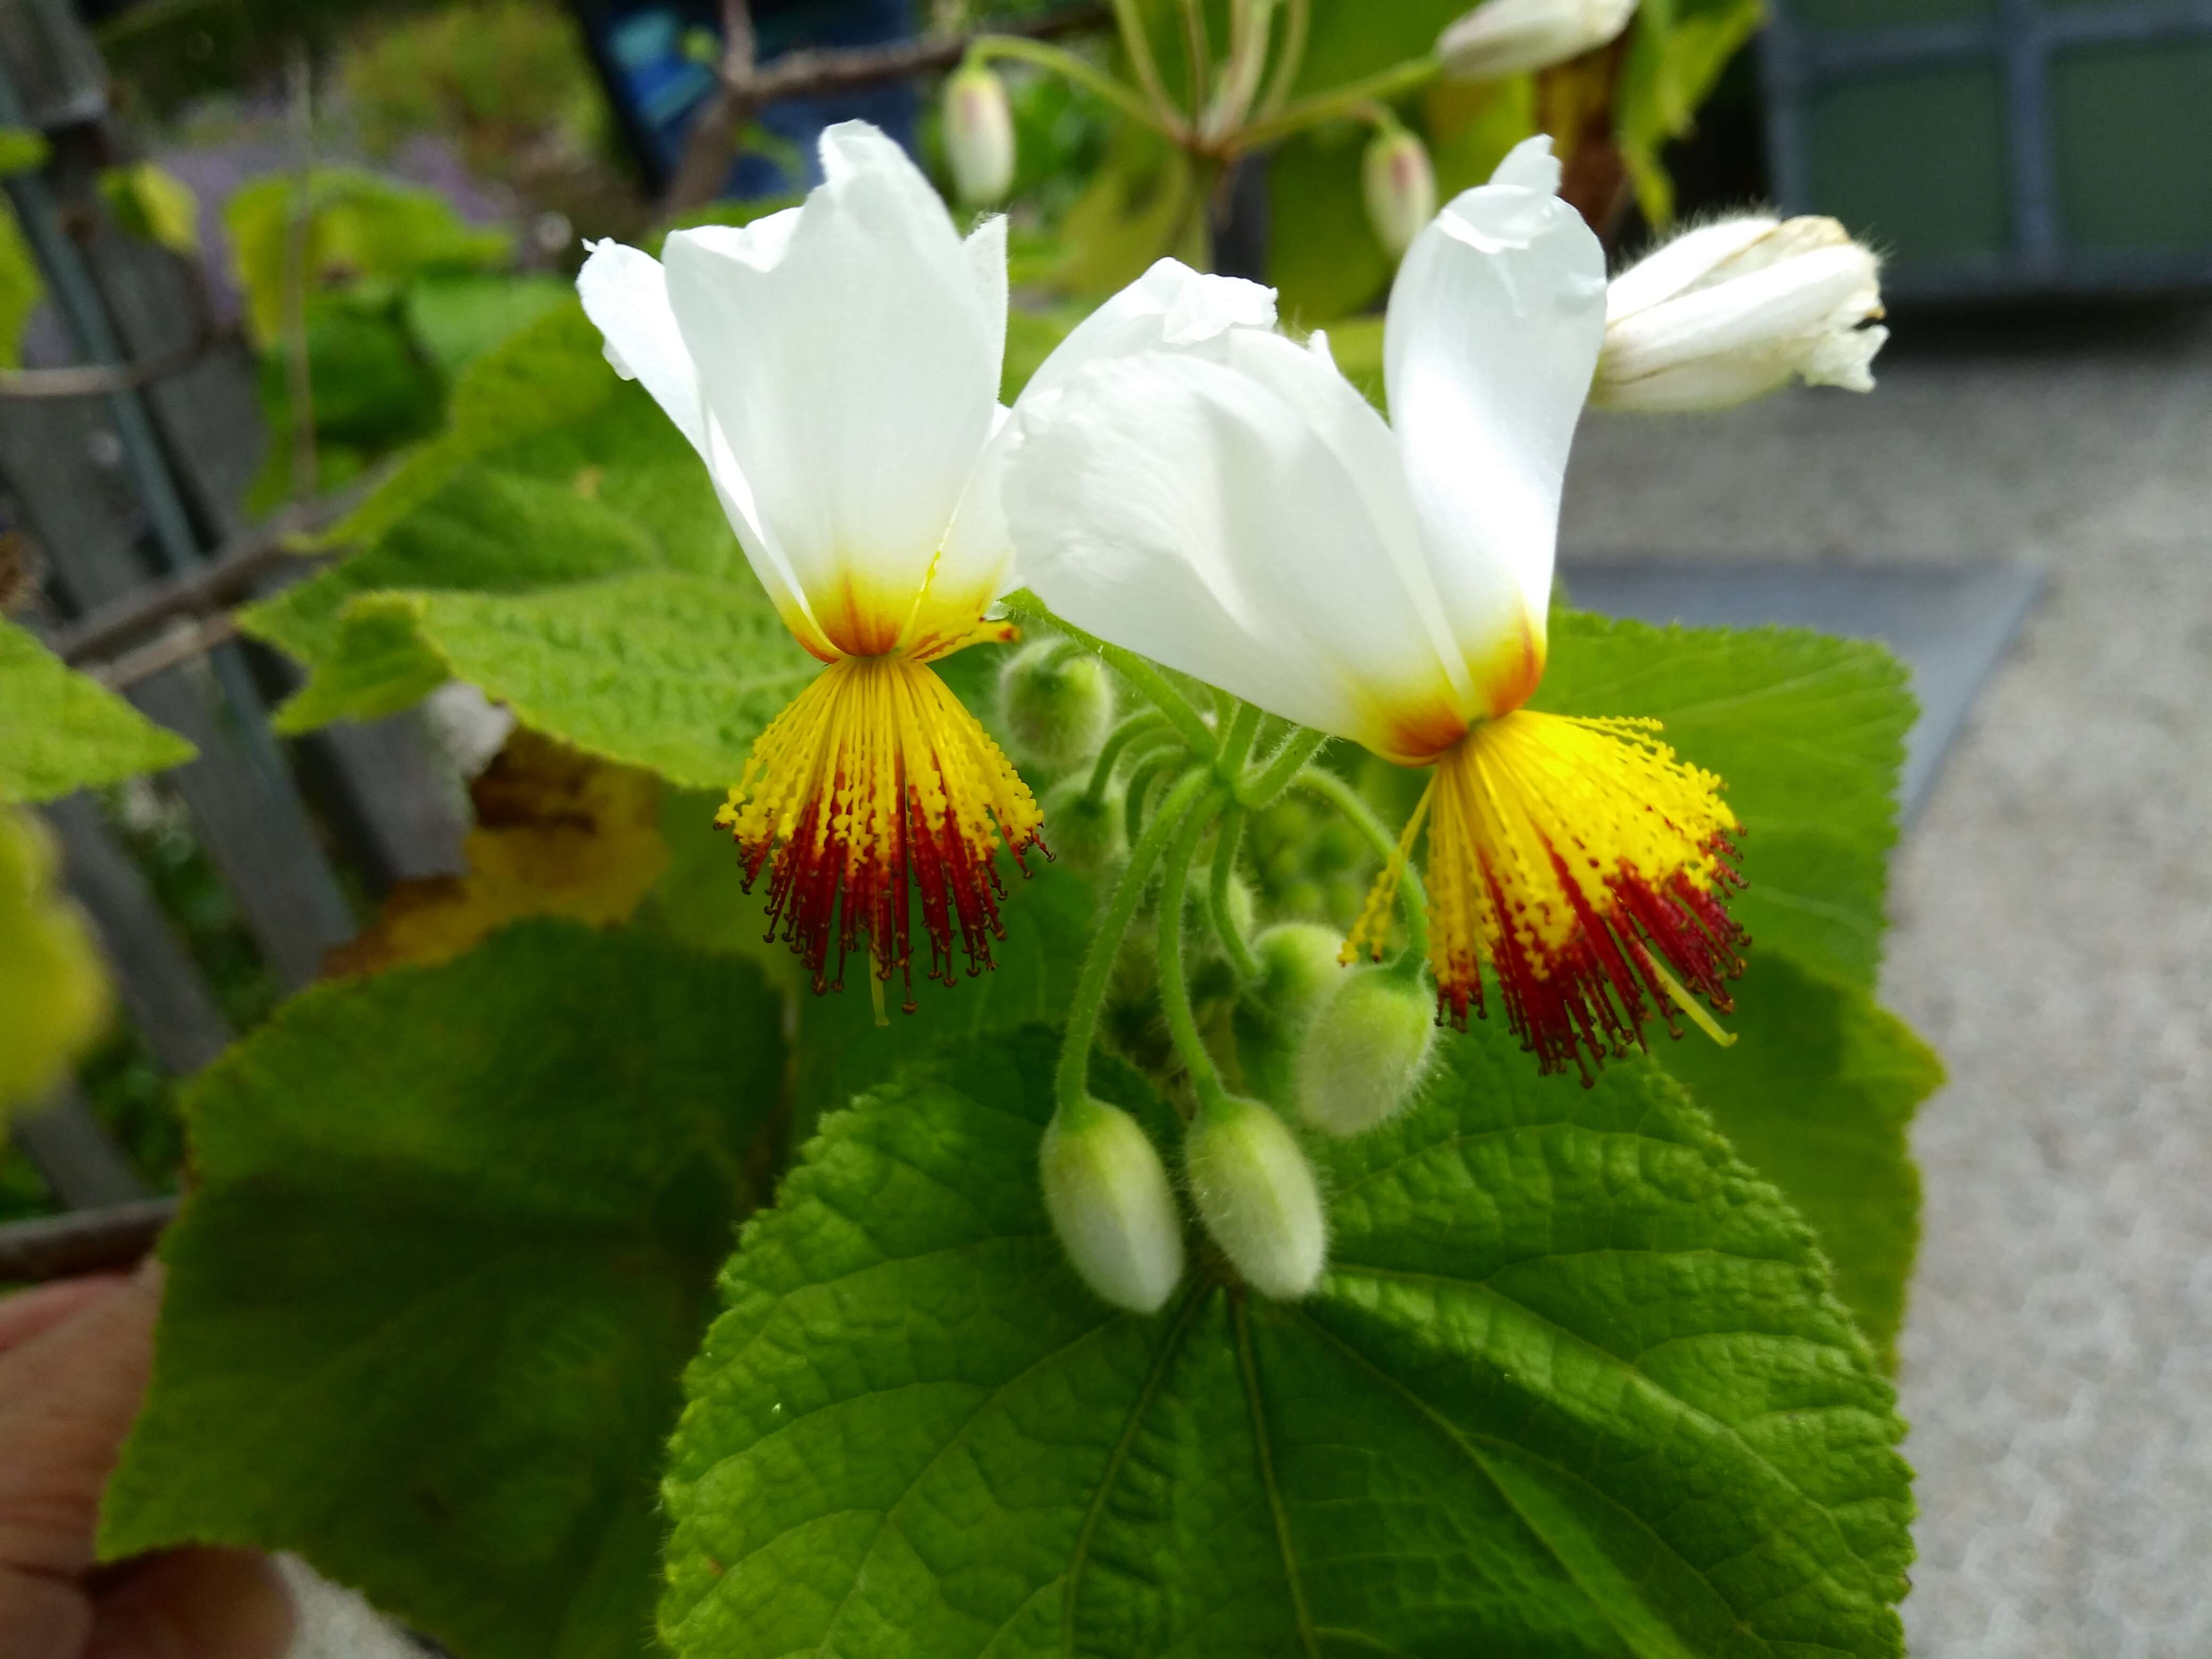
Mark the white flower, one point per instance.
(836, 367)
(1244, 516)
(979, 135)
(1511, 37)
(1738, 309)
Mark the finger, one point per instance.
(194, 1604)
(66, 1397)
(28, 1313)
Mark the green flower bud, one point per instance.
(1255, 1192)
(1056, 702)
(1085, 835)
(979, 136)
(1108, 1194)
(1400, 188)
(1366, 1051)
(1299, 967)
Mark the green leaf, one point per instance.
(459, 316)
(56, 991)
(1353, 39)
(1573, 1384)
(21, 150)
(1809, 733)
(21, 288)
(450, 1240)
(360, 228)
(149, 200)
(675, 673)
(1817, 1094)
(1675, 57)
(65, 731)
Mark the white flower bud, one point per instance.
(1108, 1194)
(1366, 1052)
(1084, 833)
(979, 136)
(1255, 1192)
(1299, 966)
(1738, 309)
(1511, 37)
(1401, 188)
(1057, 703)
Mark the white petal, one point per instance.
(1494, 328)
(1170, 305)
(625, 294)
(986, 248)
(1681, 265)
(1188, 510)
(853, 369)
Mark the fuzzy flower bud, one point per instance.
(1255, 1192)
(1299, 966)
(1738, 309)
(1401, 188)
(1087, 832)
(979, 136)
(1056, 702)
(1367, 1050)
(1108, 1194)
(1511, 37)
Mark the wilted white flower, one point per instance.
(1738, 309)
(1509, 37)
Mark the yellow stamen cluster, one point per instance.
(875, 773)
(1577, 858)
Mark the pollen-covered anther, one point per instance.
(876, 786)
(1588, 868)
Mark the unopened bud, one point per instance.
(1401, 188)
(1366, 1052)
(1057, 703)
(1108, 1194)
(1255, 1192)
(979, 136)
(1736, 310)
(1511, 37)
(1086, 832)
(1299, 966)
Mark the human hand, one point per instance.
(73, 1363)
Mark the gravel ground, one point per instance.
(2053, 938)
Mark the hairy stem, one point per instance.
(1298, 15)
(1069, 67)
(1154, 685)
(1138, 46)
(1413, 897)
(1175, 991)
(1227, 840)
(1286, 762)
(1345, 101)
(1072, 1085)
(1109, 752)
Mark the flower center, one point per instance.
(1580, 861)
(873, 774)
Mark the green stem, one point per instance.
(1336, 106)
(1174, 993)
(1227, 840)
(1236, 745)
(1109, 752)
(1292, 60)
(1026, 605)
(1138, 46)
(1068, 66)
(1287, 762)
(1413, 897)
(1198, 53)
(1072, 1085)
(1140, 785)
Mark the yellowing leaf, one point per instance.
(558, 833)
(61, 729)
(53, 992)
